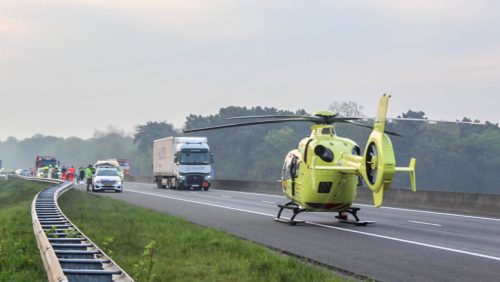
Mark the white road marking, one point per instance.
(224, 196)
(333, 227)
(268, 202)
(201, 203)
(250, 193)
(431, 212)
(425, 223)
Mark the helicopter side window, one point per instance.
(356, 150)
(326, 131)
(324, 153)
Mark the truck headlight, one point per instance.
(208, 177)
(182, 177)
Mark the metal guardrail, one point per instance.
(67, 254)
(438, 201)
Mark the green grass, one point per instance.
(19, 256)
(153, 246)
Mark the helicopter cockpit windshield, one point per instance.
(194, 157)
(328, 131)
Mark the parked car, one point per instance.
(23, 172)
(107, 179)
(110, 164)
(41, 173)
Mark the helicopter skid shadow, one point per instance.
(357, 223)
(288, 221)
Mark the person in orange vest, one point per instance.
(71, 173)
(64, 170)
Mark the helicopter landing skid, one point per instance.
(295, 209)
(342, 217)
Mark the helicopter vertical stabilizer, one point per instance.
(379, 163)
(411, 170)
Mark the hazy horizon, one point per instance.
(70, 67)
(130, 131)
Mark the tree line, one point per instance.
(450, 157)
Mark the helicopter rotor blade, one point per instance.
(371, 127)
(246, 124)
(343, 119)
(272, 116)
(318, 119)
(435, 121)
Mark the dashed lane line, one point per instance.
(425, 223)
(268, 202)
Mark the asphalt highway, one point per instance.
(403, 244)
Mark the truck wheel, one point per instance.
(205, 189)
(158, 184)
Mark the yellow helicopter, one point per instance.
(323, 173)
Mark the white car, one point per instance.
(41, 172)
(107, 179)
(23, 172)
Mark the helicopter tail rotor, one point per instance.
(379, 163)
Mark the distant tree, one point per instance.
(147, 133)
(110, 130)
(413, 114)
(347, 109)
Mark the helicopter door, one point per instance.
(294, 167)
(290, 170)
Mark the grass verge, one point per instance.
(19, 256)
(152, 246)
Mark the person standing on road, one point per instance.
(88, 176)
(81, 174)
(71, 173)
(64, 170)
(50, 171)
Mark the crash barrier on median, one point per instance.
(467, 203)
(68, 255)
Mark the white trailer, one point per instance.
(182, 163)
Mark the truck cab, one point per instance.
(193, 165)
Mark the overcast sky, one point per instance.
(68, 67)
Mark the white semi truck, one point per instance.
(182, 163)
